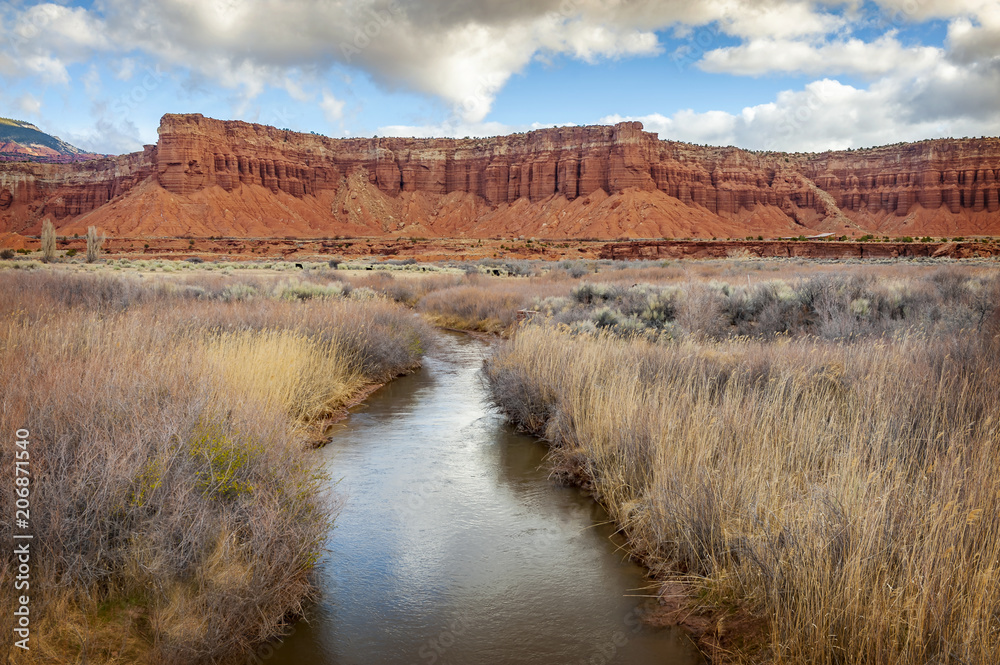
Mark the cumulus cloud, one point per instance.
(829, 115)
(921, 10)
(462, 51)
(333, 108)
(774, 19)
(110, 133)
(851, 56)
(28, 104)
(973, 41)
(459, 129)
(465, 52)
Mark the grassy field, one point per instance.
(176, 511)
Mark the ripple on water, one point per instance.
(455, 547)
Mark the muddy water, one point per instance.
(454, 546)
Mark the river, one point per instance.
(454, 546)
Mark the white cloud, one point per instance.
(921, 10)
(464, 52)
(124, 69)
(107, 135)
(333, 108)
(458, 129)
(829, 115)
(775, 19)
(972, 41)
(28, 104)
(92, 81)
(852, 56)
(49, 69)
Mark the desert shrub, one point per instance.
(239, 291)
(589, 294)
(605, 318)
(99, 292)
(575, 269)
(308, 290)
(7, 254)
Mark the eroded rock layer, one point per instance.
(211, 177)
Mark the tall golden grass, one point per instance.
(176, 512)
(846, 493)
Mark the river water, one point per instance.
(453, 545)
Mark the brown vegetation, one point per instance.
(819, 459)
(176, 515)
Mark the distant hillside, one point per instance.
(23, 142)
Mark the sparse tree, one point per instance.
(48, 241)
(93, 244)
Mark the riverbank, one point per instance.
(756, 445)
(175, 516)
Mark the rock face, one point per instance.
(211, 177)
(30, 192)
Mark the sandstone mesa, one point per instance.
(207, 177)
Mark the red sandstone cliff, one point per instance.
(208, 177)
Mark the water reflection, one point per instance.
(454, 547)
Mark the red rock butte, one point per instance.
(208, 177)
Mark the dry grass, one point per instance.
(846, 492)
(176, 514)
(473, 308)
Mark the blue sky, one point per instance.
(766, 74)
